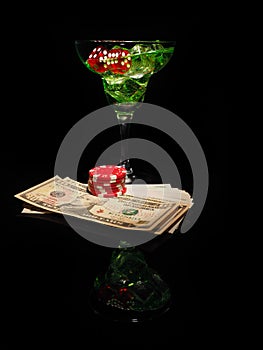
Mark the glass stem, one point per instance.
(124, 120)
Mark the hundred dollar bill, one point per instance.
(69, 197)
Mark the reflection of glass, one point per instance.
(125, 68)
(129, 290)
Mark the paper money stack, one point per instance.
(153, 208)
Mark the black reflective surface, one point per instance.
(47, 268)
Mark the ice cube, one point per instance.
(142, 60)
(115, 79)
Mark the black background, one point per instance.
(46, 267)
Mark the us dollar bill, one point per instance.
(69, 197)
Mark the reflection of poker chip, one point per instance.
(107, 172)
(130, 211)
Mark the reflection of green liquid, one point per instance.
(131, 86)
(129, 284)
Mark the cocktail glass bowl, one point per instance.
(125, 68)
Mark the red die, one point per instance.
(97, 60)
(119, 60)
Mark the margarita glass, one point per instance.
(125, 68)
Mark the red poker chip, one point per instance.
(106, 183)
(104, 180)
(107, 173)
(106, 186)
(99, 190)
(106, 190)
(110, 195)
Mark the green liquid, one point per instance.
(130, 87)
(125, 90)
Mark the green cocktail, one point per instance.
(126, 75)
(125, 68)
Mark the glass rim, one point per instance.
(79, 41)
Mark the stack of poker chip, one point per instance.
(107, 181)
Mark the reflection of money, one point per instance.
(69, 197)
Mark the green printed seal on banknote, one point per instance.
(130, 211)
